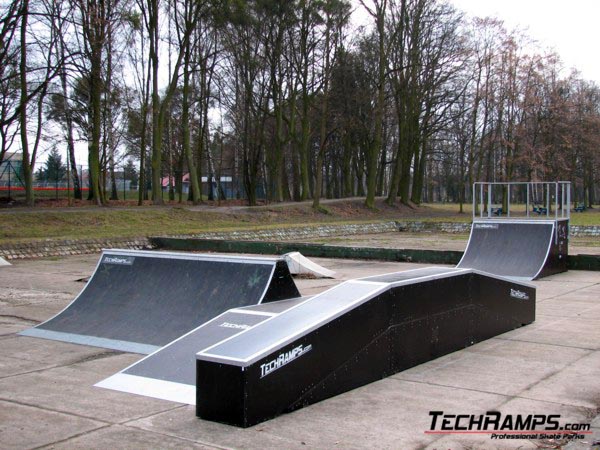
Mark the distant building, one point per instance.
(226, 185)
(11, 169)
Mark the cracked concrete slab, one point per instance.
(51, 387)
(576, 308)
(577, 384)
(119, 437)
(379, 415)
(23, 426)
(182, 422)
(36, 312)
(482, 367)
(576, 332)
(9, 325)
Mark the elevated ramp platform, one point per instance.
(4, 262)
(170, 373)
(355, 333)
(519, 249)
(139, 301)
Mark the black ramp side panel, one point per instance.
(559, 251)
(510, 249)
(138, 301)
(282, 284)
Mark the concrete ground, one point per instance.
(47, 398)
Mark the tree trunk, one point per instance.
(185, 118)
(96, 117)
(69, 125)
(27, 169)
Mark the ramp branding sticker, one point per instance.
(486, 226)
(514, 293)
(237, 326)
(283, 359)
(119, 260)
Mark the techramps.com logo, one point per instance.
(118, 260)
(520, 295)
(284, 358)
(501, 426)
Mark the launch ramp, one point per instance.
(301, 265)
(170, 372)
(355, 333)
(139, 301)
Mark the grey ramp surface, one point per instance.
(511, 249)
(275, 308)
(409, 274)
(170, 372)
(141, 301)
(309, 315)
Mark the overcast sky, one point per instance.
(571, 27)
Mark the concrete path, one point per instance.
(47, 398)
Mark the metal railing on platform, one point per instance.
(523, 200)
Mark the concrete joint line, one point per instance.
(83, 433)
(67, 413)
(180, 438)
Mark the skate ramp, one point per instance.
(355, 333)
(301, 265)
(522, 250)
(170, 373)
(139, 301)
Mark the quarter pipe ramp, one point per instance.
(519, 249)
(139, 301)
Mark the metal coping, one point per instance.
(280, 339)
(194, 256)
